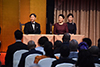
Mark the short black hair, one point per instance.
(99, 43)
(88, 41)
(66, 37)
(42, 40)
(32, 14)
(62, 15)
(64, 50)
(57, 44)
(70, 15)
(18, 34)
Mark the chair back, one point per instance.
(97, 65)
(46, 62)
(29, 60)
(17, 56)
(65, 65)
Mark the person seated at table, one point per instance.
(71, 24)
(48, 52)
(60, 27)
(64, 52)
(31, 47)
(32, 27)
(41, 43)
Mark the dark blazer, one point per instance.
(24, 55)
(62, 60)
(28, 29)
(11, 49)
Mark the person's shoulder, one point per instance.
(27, 23)
(56, 24)
(39, 52)
(37, 23)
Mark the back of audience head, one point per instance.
(57, 44)
(85, 59)
(18, 35)
(94, 50)
(31, 45)
(88, 41)
(99, 43)
(64, 51)
(73, 45)
(34, 65)
(66, 37)
(42, 40)
(83, 45)
(48, 49)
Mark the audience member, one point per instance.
(48, 52)
(18, 45)
(41, 42)
(73, 45)
(64, 51)
(95, 51)
(31, 47)
(88, 41)
(99, 43)
(34, 65)
(85, 59)
(83, 45)
(99, 46)
(57, 46)
(66, 38)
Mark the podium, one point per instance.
(51, 37)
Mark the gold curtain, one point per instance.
(86, 16)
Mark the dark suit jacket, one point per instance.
(24, 55)
(28, 29)
(62, 60)
(11, 49)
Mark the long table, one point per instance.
(51, 37)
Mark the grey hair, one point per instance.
(31, 42)
(73, 45)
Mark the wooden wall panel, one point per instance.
(10, 22)
(39, 8)
(0, 17)
(24, 11)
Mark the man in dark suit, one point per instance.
(64, 51)
(18, 45)
(31, 47)
(32, 27)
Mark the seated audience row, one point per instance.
(80, 55)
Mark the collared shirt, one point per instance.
(40, 49)
(33, 25)
(18, 41)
